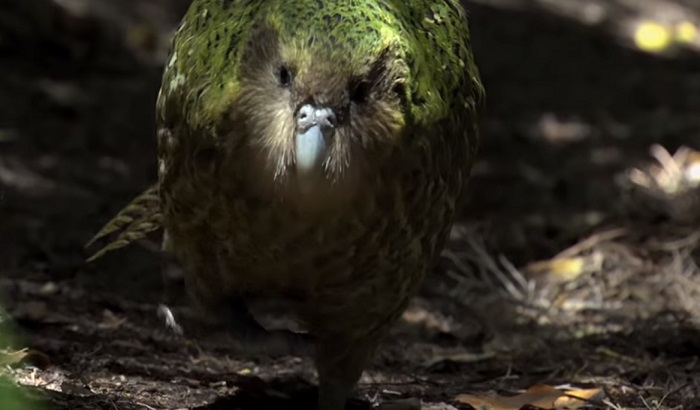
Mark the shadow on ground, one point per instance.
(569, 109)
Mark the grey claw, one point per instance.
(170, 322)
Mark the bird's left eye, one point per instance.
(360, 92)
(284, 77)
(399, 90)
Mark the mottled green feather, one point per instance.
(203, 70)
(209, 43)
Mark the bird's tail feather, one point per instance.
(135, 221)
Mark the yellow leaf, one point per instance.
(563, 269)
(542, 396)
(535, 396)
(577, 398)
(686, 32)
(567, 269)
(652, 36)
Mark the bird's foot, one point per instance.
(242, 332)
(252, 338)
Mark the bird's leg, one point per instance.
(333, 394)
(225, 321)
(340, 362)
(173, 285)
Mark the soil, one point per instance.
(572, 107)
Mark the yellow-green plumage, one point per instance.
(351, 241)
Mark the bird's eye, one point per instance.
(399, 90)
(284, 77)
(360, 92)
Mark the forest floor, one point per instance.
(562, 269)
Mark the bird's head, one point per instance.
(322, 96)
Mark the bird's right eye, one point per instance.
(284, 77)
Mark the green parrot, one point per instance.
(316, 151)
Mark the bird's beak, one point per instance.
(310, 146)
(315, 127)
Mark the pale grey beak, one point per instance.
(315, 128)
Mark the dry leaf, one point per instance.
(562, 269)
(49, 288)
(652, 36)
(110, 320)
(74, 389)
(9, 358)
(33, 357)
(465, 357)
(542, 396)
(578, 397)
(400, 404)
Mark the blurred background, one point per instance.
(574, 261)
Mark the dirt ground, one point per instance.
(571, 109)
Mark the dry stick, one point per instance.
(591, 241)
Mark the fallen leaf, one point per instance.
(542, 399)
(578, 397)
(465, 357)
(110, 320)
(8, 358)
(542, 396)
(686, 32)
(561, 269)
(74, 389)
(652, 37)
(49, 288)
